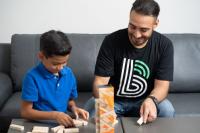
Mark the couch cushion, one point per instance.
(83, 97)
(186, 62)
(5, 89)
(12, 106)
(24, 49)
(85, 47)
(186, 104)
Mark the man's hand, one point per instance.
(80, 112)
(148, 110)
(64, 119)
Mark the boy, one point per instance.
(50, 87)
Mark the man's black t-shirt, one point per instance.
(132, 71)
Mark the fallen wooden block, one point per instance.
(140, 120)
(55, 129)
(71, 130)
(40, 129)
(17, 127)
(60, 130)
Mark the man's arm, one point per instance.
(98, 81)
(161, 88)
(28, 112)
(148, 108)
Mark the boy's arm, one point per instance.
(71, 104)
(77, 111)
(29, 113)
(72, 107)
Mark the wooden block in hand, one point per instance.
(140, 121)
(80, 122)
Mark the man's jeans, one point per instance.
(132, 108)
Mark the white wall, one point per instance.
(90, 16)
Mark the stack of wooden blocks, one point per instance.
(104, 106)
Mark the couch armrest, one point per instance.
(5, 88)
(5, 53)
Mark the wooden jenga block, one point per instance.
(17, 127)
(97, 116)
(40, 129)
(60, 130)
(140, 120)
(80, 122)
(71, 130)
(55, 129)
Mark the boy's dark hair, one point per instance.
(54, 43)
(146, 7)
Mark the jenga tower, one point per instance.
(105, 115)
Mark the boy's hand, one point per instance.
(80, 112)
(64, 119)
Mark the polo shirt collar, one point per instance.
(48, 74)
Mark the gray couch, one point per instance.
(16, 58)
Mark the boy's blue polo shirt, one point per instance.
(47, 91)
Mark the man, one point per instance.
(138, 62)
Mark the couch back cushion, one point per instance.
(186, 62)
(24, 48)
(85, 47)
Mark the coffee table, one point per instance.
(163, 125)
(28, 125)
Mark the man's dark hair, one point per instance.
(146, 7)
(54, 43)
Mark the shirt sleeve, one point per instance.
(166, 62)
(29, 90)
(74, 93)
(105, 59)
